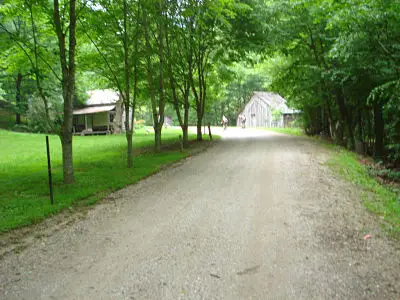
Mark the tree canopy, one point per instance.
(336, 61)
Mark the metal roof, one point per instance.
(93, 110)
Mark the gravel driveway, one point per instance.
(257, 216)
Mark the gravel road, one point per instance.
(257, 216)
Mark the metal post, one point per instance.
(49, 170)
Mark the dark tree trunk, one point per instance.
(185, 128)
(68, 168)
(185, 132)
(18, 99)
(126, 98)
(157, 138)
(199, 132)
(379, 131)
(345, 118)
(359, 142)
(329, 119)
(129, 139)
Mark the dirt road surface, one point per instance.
(257, 216)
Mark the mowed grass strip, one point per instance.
(291, 131)
(99, 164)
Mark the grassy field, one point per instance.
(291, 131)
(100, 168)
(378, 198)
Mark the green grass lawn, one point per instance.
(292, 131)
(100, 168)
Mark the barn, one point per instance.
(266, 109)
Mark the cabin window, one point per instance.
(111, 115)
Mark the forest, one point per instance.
(338, 62)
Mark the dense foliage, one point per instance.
(339, 63)
(194, 60)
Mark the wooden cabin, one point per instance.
(265, 109)
(103, 113)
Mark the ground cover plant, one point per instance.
(100, 168)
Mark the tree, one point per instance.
(67, 62)
(119, 53)
(32, 32)
(179, 53)
(154, 43)
(341, 67)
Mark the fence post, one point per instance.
(49, 170)
(209, 131)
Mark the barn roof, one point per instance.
(274, 100)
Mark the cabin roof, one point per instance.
(102, 97)
(93, 110)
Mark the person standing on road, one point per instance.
(243, 120)
(224, 122)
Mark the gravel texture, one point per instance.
(257, 216)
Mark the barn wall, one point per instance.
(259, 114)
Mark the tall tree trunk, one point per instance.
(359, 141)
(157, 138)
(68, 168)
(68, 85)
(329, 119)
(18, 99)
(126, 98)
(199, 132)
(185, 128)
(345, 118)
(161, 55)
(128, 135)
(157, 110)
(129, 138)
(185, 132)
(379, 130)
(199, 106)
